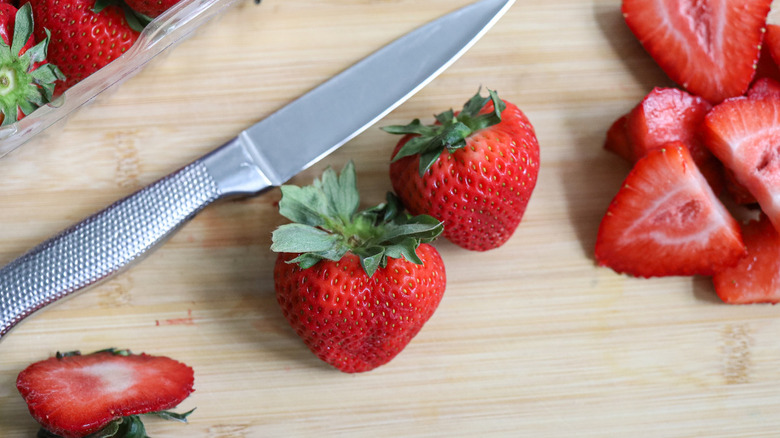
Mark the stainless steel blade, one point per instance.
(263, 156)
(348, 103)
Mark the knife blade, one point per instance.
(263, 156)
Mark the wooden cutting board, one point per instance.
(531, 339)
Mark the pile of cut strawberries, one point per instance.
(703, 195)
(49, 46)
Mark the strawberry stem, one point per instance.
(25, 85)
(451, 131)
(327, 224)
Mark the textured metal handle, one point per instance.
(103, 244)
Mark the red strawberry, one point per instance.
(742, 132)
(26, 79)
(86, 34)
(756, 277)
(73, 395)
(666, 220)
(356, 286)
(665, 115)
(710, 47)
(617, 140)
(764, 87)
(151, 8)
(474, 170)
(772, 42)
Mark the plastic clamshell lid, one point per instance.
(162, 33)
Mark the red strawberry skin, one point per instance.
(743, 133)
(772, 42)
(709, 47)
(756, 277)
(73, 396)
(666, 220)
(82, 41)
(151, 8)
(480, 192)
(617, 140)
(355, 322)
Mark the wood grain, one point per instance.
(531, 339)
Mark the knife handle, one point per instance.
(103, 244)
(111, 240)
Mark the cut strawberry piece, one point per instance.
(756, 277)
(709, 47)
(666, 220)
(617, 140)
(772, 42)
(764, 87)
(744, 133)
(665, 115)
(766, 66)
(75, 395)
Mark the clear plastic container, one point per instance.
(162, 33)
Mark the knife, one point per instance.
(263, 156)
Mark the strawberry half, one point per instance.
(356, 286)
(73, 395)
(666, 220)
(710, 47)
(26, 79)
(756, 277)
(743, 133)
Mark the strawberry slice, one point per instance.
(743, 133)
(710, 47)
(764, 87)
(665, 115)
(73, 395)
(666, 220)
(756, 277)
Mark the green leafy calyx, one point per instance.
(25, 83)
(327, 224)
(451, 131)
(136, 20)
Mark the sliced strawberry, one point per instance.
(756, 277)
(617, 140)
(666, 220)
(739, 194)
(709, 47)
(744, 133)
(764, 87)
(665, 115)
(766, 66)
(75, 395)
(772, 42)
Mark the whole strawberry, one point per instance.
(26, 78)
(474, 170)
(73, 395)
(356, 286)
(86, 34)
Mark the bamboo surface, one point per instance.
(531, 339)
